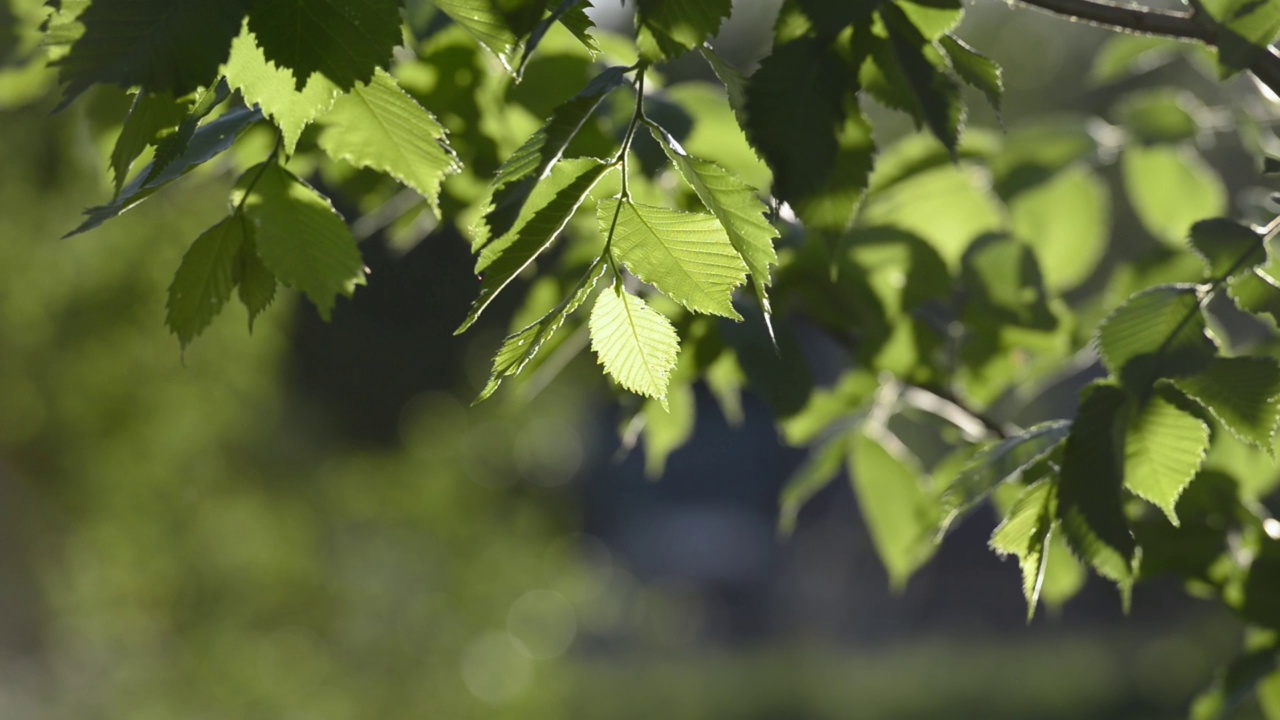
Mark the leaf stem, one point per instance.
(262, 169)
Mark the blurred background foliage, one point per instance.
(310, 522)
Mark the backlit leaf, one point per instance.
(257, 284)
(273, 90)
(899, 514)
(540, 222)
(687, 256)
(151, 115)
(636, 344)
(1170, 188)
(668, 28)
(299, 236)
(1242, 393)
(379, 126)
(1157, 333)
(1164, 447)
(975, 69)
(1226, 246)
(205, 279)
(482, 19)
(818, 471)
(1025, 534)
(936, 93)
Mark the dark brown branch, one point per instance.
(1194, 26)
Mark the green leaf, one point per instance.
(1123, 55)
(827, 406)
(668, 28)
(1160, 115)
(1066, 220)
(975, 69)
(1157, 333)
(636, 344)
(1227, 247)
(210, 140)
(996, 463)
(205, 279)
(687, 256)
(1089, 500)
(568, 13)
(736, 206)
(529, 164)
(818, 471)
(299, 236)
(1239, 680)
(541, 221)
(178, 142)
(794, 109)
(936, 93)
(1248, 27)
(257, 284)
(1003, 286)
(1025, 534)
(522, 346)
(899, 514)
(272, 89)
(379, 126)
(1170, 188)
(667, 426)
(735, 83)
(482, 19)
(834, 208)
(1242, 393)
(344, 40)
(151, 115)
(932, 18)
(1164, 447)
(167, 46)
(1257, 292)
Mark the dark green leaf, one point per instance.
(485, 22)
(205, 279)
(299, 236)
(1227, 247)
(151, 115)
(165, 46)
(834, 208)
(668, 28)
(936, 93)
(1257, 292)
(1242, 393)
(1238, 681)
(975, 69)
(257, 283)
(1159, 116)
(1003, 286)
(540, 222)
(570, 14)
(997, 463)
(1089, 499)
(1247, 28)
(207, 142)
(344, 40)
(1157, 333)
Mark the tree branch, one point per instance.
(1194, 26)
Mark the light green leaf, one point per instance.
(541, 219)
(636, 344)
(571, 15)
(974, 68)
(523, 345)
(1170, 188)
(299, 236)
(272, 89)
(1123, 55)
(344, 40)
(818, 471)
(1089, 501)
(205, 278)
(482, 20)
(1163, 450)
(668, 28)
(687, 256)
(379, 126)
(532, 161)
(1157, 333)
(667, 428)
(1066, 220)
(736, 206)
(1025, 533)
(1064, 576)
(150, 117)
(1227, 247)
(827, 406)
(1160, 115)
(996, 463)
(210, 140)
(1242, 393)
(257, 284)
(933, 18)
(899, 514)
(168, 46)
(1249, 26)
